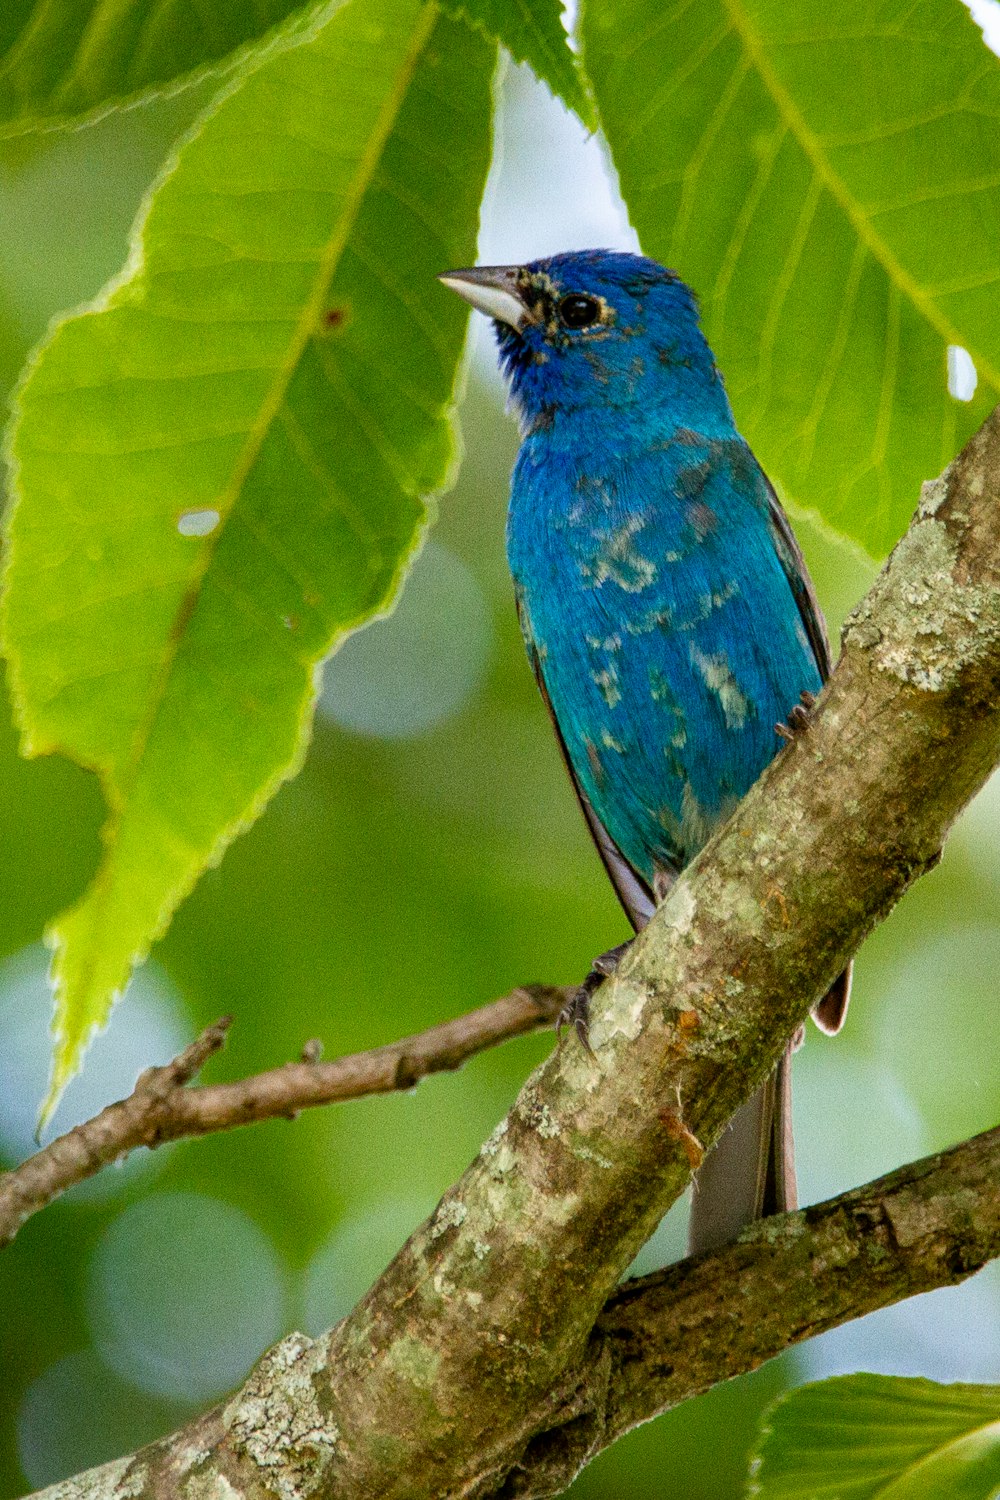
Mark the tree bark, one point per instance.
(437, 1382)
(658, 1341)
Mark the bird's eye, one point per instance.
(579, 311)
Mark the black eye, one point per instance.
(579, 311)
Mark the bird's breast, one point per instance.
(666, 633)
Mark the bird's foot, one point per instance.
(576, 1011)
(798, 717)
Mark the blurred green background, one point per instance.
(429, 857)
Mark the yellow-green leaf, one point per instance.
(220, 467)
(827, 177)
(881, 1437)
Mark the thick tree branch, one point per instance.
(435, 1383)
(670, 1336)
(162, 1107)
(657, 1342)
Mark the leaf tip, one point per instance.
(82, 997)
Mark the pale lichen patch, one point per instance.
(277, 1422)
(933, 493)
(414, 1360)
(187, 1458)
(536, 1115)
(450, 1215)
(492, 1144)
(682, 909)
(121, 1479)
(587, 1153)
(480, 1249)
(502, 1161)
(623, 1013)
(210, 1485)
(929, 628)
(132, 1484)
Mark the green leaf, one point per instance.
(533, 33)
(62, 59)
(856, 1437)
(279, 355)
(826, 177)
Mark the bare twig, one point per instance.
(163, 1108)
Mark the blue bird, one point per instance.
(664, 603)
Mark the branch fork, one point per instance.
(497, 1352)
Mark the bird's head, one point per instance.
(597, 330)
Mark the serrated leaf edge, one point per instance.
(116, 793)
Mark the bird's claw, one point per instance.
(576, 1011)
(798, 717)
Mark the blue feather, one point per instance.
(663, 621)
(664, 603)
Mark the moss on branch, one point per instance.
(458, 1357)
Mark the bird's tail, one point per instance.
(750, 1171)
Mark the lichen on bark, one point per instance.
(479, 1339)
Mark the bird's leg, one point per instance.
(576, 1011)
(798, 717)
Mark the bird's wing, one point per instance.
(829, 1012)
(794, 567)
(632, 891)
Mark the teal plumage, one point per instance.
(663, 599)
(665, 630)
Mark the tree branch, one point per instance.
(435, 1383)
(163, 1108)
(673, 1335)
(657, 1342)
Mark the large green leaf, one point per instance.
(858, 1437)
(62, 59)
(826, 177)
(279, 356)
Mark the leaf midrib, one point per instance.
(886, 1491)
(270, 407)
(835, 185)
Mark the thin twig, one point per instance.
(163, 1107)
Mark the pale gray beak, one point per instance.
(493, 290)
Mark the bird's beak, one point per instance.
(494, 290)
